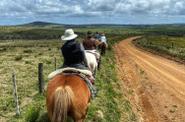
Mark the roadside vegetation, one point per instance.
(168, 46)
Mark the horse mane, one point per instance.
(63, 98)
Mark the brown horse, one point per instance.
(101, 46)
(67, 95)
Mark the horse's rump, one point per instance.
(67, 95)
(91, 61)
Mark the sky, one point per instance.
(13, 12)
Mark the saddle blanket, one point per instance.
(74, 70)
(95, 52)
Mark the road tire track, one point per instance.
(155, 85)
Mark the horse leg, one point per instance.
(99, 63)
(81, 116)
(103, 49)
(94, 73)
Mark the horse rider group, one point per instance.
(71, 87)
(101, 37)
(74, 52)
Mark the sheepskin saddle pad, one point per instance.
(69, 69)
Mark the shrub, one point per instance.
(48, 62)
(28, 51)
(32, 113)
(2, 49)
(28, 62)
(40, 54)
(18, 58)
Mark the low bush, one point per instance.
(28, 51)
(32, 113)
(18, 57)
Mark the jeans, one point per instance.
(78, 66)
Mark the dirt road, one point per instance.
(155, 85)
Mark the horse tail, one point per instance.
(63, 98)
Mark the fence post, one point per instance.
(40, 78)
(55, 61)
(15, 94)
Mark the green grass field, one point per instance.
(23, 47)
(23, 56)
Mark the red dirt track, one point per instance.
(155, 85)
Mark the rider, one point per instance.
(74, 56)
(97, 36)
(103, 39)
(89, 43)
(73, 52)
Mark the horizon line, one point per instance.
(86, 24)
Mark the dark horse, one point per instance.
(102, 46)
(67, 95)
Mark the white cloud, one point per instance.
(90, 7)
(37, 7)
(139, 7)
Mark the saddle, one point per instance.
(84, 74)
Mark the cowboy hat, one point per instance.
(69, 35)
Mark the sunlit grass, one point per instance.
(33, 52)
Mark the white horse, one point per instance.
(92, 57)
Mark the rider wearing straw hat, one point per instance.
(73, 52)
(74, 56)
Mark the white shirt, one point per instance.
(103, 39)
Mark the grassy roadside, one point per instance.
(169, 47)
(110, 99)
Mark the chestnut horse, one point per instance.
(67, 95)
